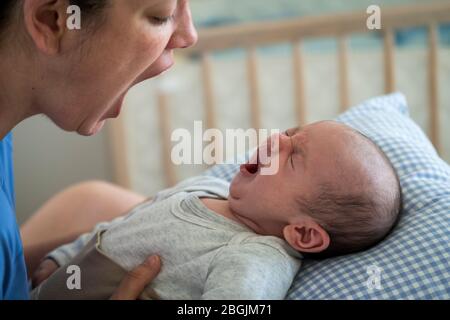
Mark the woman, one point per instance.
(78, 79)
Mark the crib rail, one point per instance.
(335, 25)
(340, 26)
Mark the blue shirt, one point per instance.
(13, 275)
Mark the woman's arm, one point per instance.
(137, 279)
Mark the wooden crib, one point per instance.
(295, 31)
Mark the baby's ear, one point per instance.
(307, 236)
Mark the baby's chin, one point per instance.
(234, 188)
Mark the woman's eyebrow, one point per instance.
(153, 3)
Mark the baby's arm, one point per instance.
(250, 271)
(65, 253)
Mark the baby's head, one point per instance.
(335, 192)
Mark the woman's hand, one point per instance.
(45, 270)
(129, 289)
(137, 279)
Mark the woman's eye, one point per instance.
(161, 20)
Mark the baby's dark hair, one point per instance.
(358, 219)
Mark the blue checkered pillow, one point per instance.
(413, 262)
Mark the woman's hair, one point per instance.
(7, 8)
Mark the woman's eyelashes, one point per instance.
(161, 20)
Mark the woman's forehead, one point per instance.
(139, 4)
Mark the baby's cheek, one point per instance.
(264, 190)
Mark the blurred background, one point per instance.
(47, 160)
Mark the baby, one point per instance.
(334, 193)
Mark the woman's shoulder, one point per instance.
(6, 143)
(6, 169)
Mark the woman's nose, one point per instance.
(185, 35)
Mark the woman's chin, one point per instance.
(98, 127)
(91, 131)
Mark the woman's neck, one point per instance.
(16, 92)
(9, 116)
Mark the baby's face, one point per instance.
(310, 156)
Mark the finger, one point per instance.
(39, 276)
(137, 279)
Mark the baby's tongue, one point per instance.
(252, 168)
(252, 165)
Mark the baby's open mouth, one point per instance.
(260, 159)
(252, 166)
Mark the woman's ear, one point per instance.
(307, 236)
(45, 21)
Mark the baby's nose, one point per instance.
(285, 142)
(274, 145)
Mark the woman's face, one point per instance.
(86, 83)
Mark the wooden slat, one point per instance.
(299, 83)
(255, 102)
(208, 91)
(265, 33)
(433, 85)
(165, 131)
(389, 66)
(209, 101)
(343, 74)
(117, 142)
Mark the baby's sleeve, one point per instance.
(65, 253)
(250, 271)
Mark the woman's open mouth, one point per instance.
(164, 63)
(116, 108)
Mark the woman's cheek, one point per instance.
(155, 39)
(148, 52)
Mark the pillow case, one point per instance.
(413, 262)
